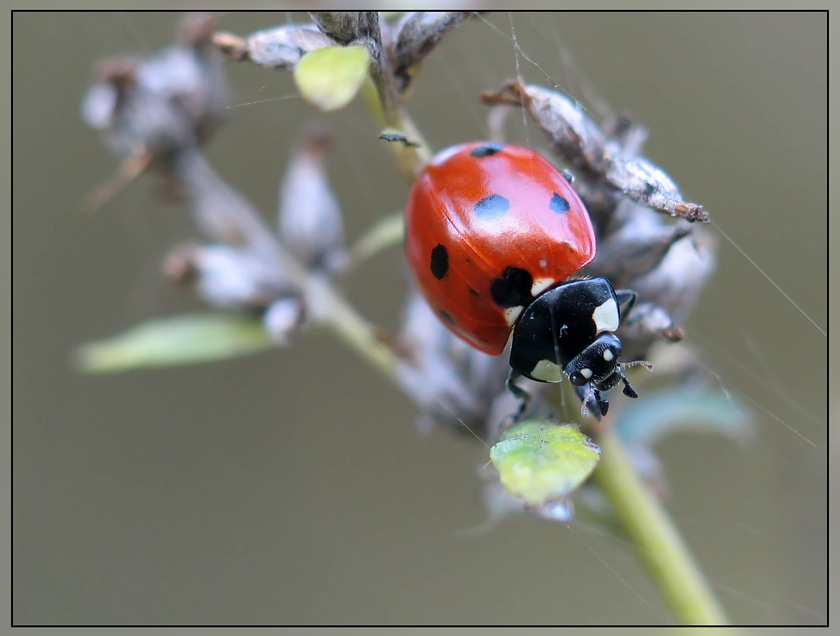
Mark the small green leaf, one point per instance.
(676, 409)
(331, 77)
(543, 463)
(186, 339)
(386, 232)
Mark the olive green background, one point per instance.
(292, 487)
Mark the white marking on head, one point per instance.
(608, 355)
(605, 316)
(540, 285)
(586, 372)
(512, 315)
(547, 371)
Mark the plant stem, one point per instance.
(350, 326)
(660, 546)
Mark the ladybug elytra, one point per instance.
(493, 234)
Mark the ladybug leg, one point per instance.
(603, 403)
(628, 390)
(521, 394)
(626, 299)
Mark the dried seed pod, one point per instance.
(416, 35)
(226, 277)
(132, 112)
(449, 380)
(346, 26)
(311, 225)
(282, 47)
(224, 214)
(665, 262)
(284, 319)
(634, 242)
(578, 140)
(152, 110)
(164, 103)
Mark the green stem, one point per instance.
(660, 545)
(360, 335)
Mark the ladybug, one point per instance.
(493, 234)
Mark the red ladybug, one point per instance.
(493, 233)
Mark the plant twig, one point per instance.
(660, 545)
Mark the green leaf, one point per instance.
(676, 409)
(386, 232)
(331, 77)
(543, 463)
(186, 339)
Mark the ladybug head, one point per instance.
(597, 364)
(598, 367)
(569, 331)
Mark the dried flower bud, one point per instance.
(284, 319)
(451, 381)
(634, 241)
(164, 103)
(665, 262)
(284, 46)
(310, 219)
(132, 114)
(676, 282)
(225, 277)
(417, 34)
(101, 105)
(224, 214)
(578, 140)
(346, 26)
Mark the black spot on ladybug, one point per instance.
(513, 288)
(440, 262)
(491, 207)
(487, 150)
(446, 317)
(559, 204)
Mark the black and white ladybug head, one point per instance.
(569, 331)
(596, 364)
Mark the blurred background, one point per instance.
(293, 486)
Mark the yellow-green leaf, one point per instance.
(542, 463)
(383, 234)
(186, 339)
(331, 77)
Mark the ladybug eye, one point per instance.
(581, 376)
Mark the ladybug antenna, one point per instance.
(629, 391)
